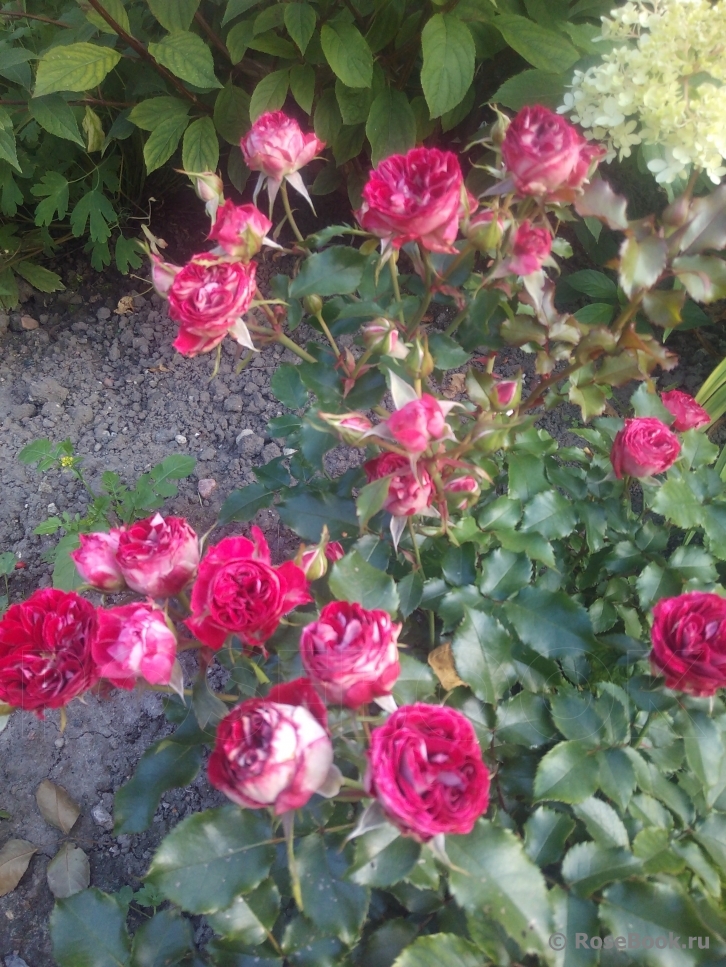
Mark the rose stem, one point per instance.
(288, 824)
(290, 217)
(417, 552)
(293, 347)
(396, 288)
(328, 333)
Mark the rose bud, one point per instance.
(351, 654)
(313, 561)
(210, 188)
(134, 641)
(45, 650)
(240, 230)
(417, 423)
(485, 231)
(426, 770)
(689, 642)
(543, 152)
(207, 298)
(462, 492)
(163, 275)
(239, 592)
(270, 754)
(643, 447)
(689, 415)
(414, 197)
(352, 428)
(419, 361)
(407, 494)
(276, 147)
(96, 561)
(382, 336)
(157, 556)
(531, 245)
(506, 393)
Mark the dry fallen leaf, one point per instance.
(56, 806)
(441, 660)
(69, 871)
(14, 859)
(125, 305)
(456, 385)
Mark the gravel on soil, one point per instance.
(116, 388)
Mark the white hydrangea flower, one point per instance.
(663, 85)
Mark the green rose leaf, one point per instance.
(550, 622)
(354, 579)
(482, 651)
(438, 949)
(334, 905)
(567, 773)
(336, 271)
(162, 941)
(383, 857)
(88, 929)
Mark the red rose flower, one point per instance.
(417, 423)
(643, 447)
(689, 415)
(543, 152)
(414, 197)
(531, 245)
(238, 591)
(45, 650)
(96, 560)
(240, 230)
(270, 754)
(425, 769)
(689, 642)
(158, 556)
(134, 641)
(407, 493)
(351, 653)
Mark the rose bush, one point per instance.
(511, 723)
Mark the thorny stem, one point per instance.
(425, 302)
(288, 211)
(293, 347)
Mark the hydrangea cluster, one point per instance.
(661, 86)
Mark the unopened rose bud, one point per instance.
(209, 188)
(499, 128)
(506, 394)
(462, 492)
(313, 304)
(381, 336)
(419, 362)
(350, 427)
(485, 231)
(312, 562)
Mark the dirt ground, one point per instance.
(114, 385)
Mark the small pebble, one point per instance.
(206, 487)
(180, 438)
(59, 743)
(101, 816)
(27, 322)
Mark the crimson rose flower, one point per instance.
(543, 152)
(689, 642)
(238, 591)
(531, 245)
(240, 230)
(407, 494)
(208, 297)
(158, 556)
(134, 641)
(270, 754)
(417, 423)
(425, 769)
(643, 447)
(45, 650)
(689, 415)
(96, 560)
(414, 197)
(351, 653)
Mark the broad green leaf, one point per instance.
(371, 499)
(602, 823)
(161, 941)
(550, 622)
(641, 263)
(354, 102)
(163, 141)
(174, 15)
(270, 93)
(382, 945)
(327, 120)
(354, 579)
(503, 513)
(704, 749)
(288, 387)
(391, 125)
(347, 53)
(503, 573)
(448, 62)
(348, 143)
(336, 271)
(482, 651)
(594, 314)
(74, 67)
(115, 9)
(306, 513)
(8, 150)
(300, 21)
(249, 918)
(545, 835)
(334, 905)
(567, 773)
(56, 116)
(410, 592)
(544, 49)
(237, 7)
(573, 916)
(458, 565)
(383, 857)
(302, 86)
(188, 57)
(416, 682)
(212, 857)
(550, 514)
(526, 477)
(524, 720)
(576, 716)
(88, 929)
(200, 148)
(65, 572)
(531, 87)
(492, 871)
(95, 207)
(711, 834)
(232, 113)
(177, 466)
(36, 451)
(595, 285)
(39, 277)
(128, 254)
(588, 867)
(238, 40)
(439, 949)
(148, 114)
(680, 501)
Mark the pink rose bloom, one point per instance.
(462, 492)
(417, 423)
(531, 245)
(352, 428)
(407, 494)
(351, 654)
(158, 556)
(239, 592)
(689, 642)
(689, 415)
(134, 641)
(426, 770)
(543, 152)
(270, 754)
(96, 560)
(240, 230)
(414, 197)
(276, 146)
(207, 298)
(163, 275)
(300, 691)
(643, 447)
